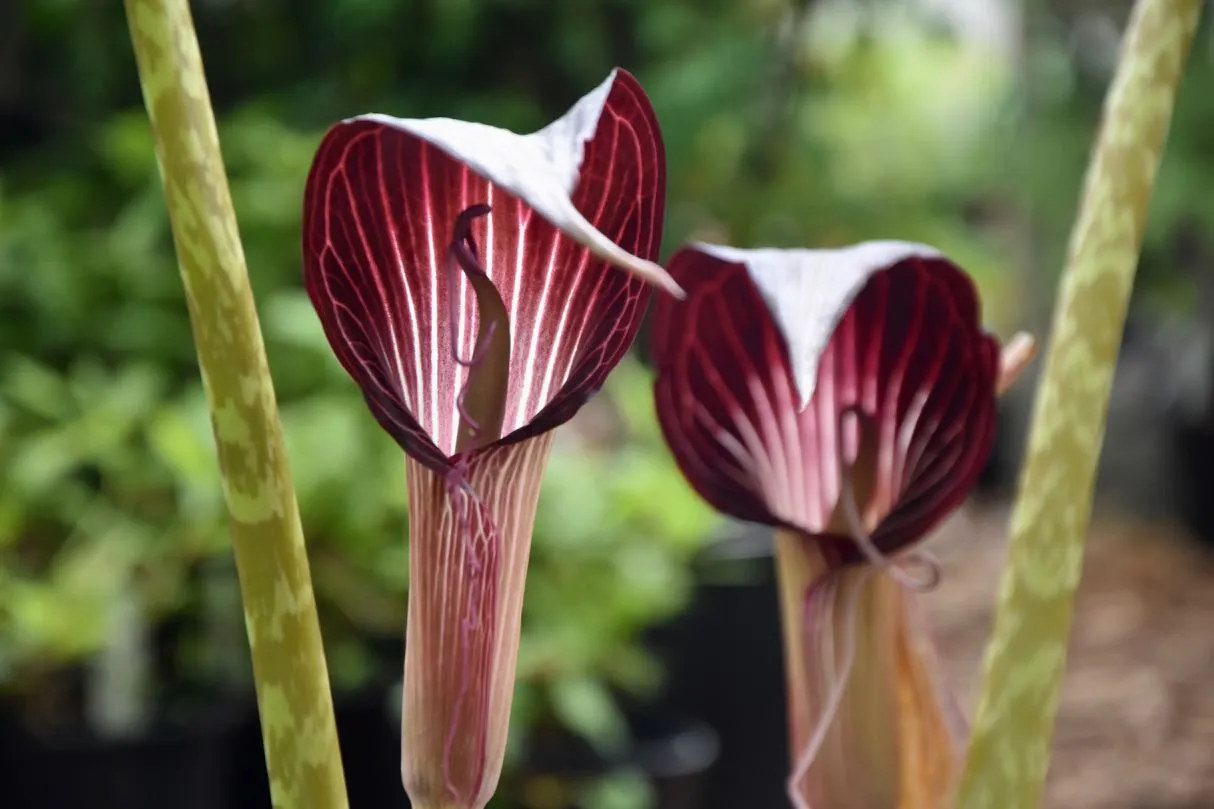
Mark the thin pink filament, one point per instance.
(834, 699)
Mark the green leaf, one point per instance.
(625, 790)
(584, 706)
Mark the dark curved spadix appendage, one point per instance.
(494, 321)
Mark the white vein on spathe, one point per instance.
(808, 291)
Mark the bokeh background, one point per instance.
(650, 671)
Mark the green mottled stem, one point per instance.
(280, 612)
(1009, 753)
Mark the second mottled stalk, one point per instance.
(1012, 733)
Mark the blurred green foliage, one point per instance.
(614, 534)
(810, 123)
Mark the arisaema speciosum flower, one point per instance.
(846, 398)
(479, 285)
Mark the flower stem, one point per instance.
(296, 707)
(1026, 656)
(797, 568)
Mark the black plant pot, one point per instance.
(724, 660)
(677, 755)
(183, 766)
(369, 728)
(1195, 478)
(998, 475)
(674, 752)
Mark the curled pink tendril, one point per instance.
(899, 569)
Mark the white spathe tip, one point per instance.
(540, 168)
(809, 291)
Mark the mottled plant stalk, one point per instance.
(1025, 660)
(293, 695)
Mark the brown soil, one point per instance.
(1136, 725)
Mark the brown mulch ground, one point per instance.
(1136, 725)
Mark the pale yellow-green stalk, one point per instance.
(293, 695)
(1010, 747)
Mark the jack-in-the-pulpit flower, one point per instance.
(847, 398)
(468, 279)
